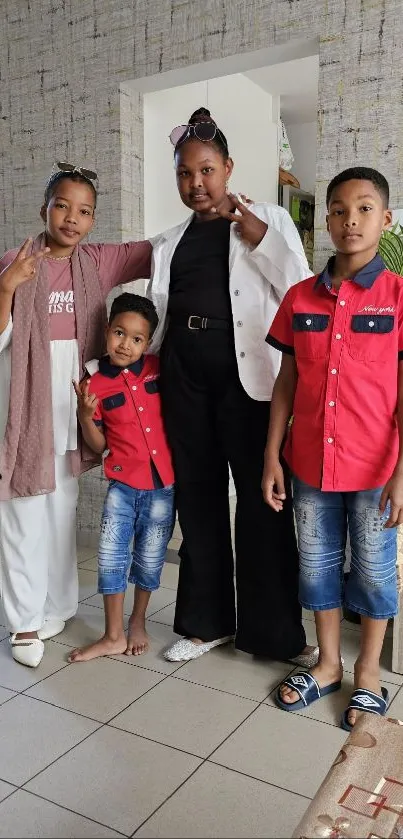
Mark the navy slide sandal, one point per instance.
(307, 688)
(365, 700)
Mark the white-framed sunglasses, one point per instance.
(205, 131)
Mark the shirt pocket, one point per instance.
(373, 338)
(311, 334)
(117, 411)
(117, 400)
(152, 386)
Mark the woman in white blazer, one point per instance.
(216, 286)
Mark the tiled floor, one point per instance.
(141, 747)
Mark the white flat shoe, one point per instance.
(28, 651)
(307, 659)
(186, 650)
(50, 628)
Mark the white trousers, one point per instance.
(38, 559)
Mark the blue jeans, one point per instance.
(149, 516)
(322, 522)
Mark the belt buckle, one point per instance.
(203, 322)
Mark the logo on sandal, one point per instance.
(366, 701)
(299, 680)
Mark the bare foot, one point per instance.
(324, 675)
(137, 638)
(364, 678)
(105, 646)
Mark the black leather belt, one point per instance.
(197, 322)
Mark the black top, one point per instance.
(200, 273)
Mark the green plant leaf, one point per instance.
(391, 248)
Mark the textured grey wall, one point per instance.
(62, 63)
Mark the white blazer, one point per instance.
(258, 281)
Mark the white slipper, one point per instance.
(185, 650)
(28, 651)
(307, 659)
(50, 628)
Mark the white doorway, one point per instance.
(246, 95)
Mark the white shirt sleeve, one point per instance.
(280, 256)
(5, 336)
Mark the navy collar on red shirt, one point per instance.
(365, 278)
(112, 371)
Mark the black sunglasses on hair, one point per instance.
(86, 173)
(205, 131)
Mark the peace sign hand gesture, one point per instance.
(22, 268)
(249, 227)
(87, 402)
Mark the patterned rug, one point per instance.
(362, 795)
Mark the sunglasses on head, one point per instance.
(86, 173)
(205, 131)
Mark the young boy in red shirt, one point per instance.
(341, 378)
(119, 409)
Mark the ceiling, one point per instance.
(296, 82)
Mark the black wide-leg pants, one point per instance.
(212, 422)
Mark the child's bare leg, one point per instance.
(113, 642)
(137, 638)
(366, 668)
(329, 667)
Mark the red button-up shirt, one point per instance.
(347, 347)
(129, 412)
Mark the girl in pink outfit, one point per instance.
(52, 319)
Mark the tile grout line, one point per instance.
(66, 710)
(63, 807)
(78, 713)
(34, 684)
(204, 761)
(52, 762)
(399, 690)
(221, 690)
(262, 781)
(166, 676)
(167, 798)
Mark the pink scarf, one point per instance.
(27, 458)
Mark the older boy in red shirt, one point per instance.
(341, 336)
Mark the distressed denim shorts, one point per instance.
(323, 520)
(148, 516)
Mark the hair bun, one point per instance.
(201, 115)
